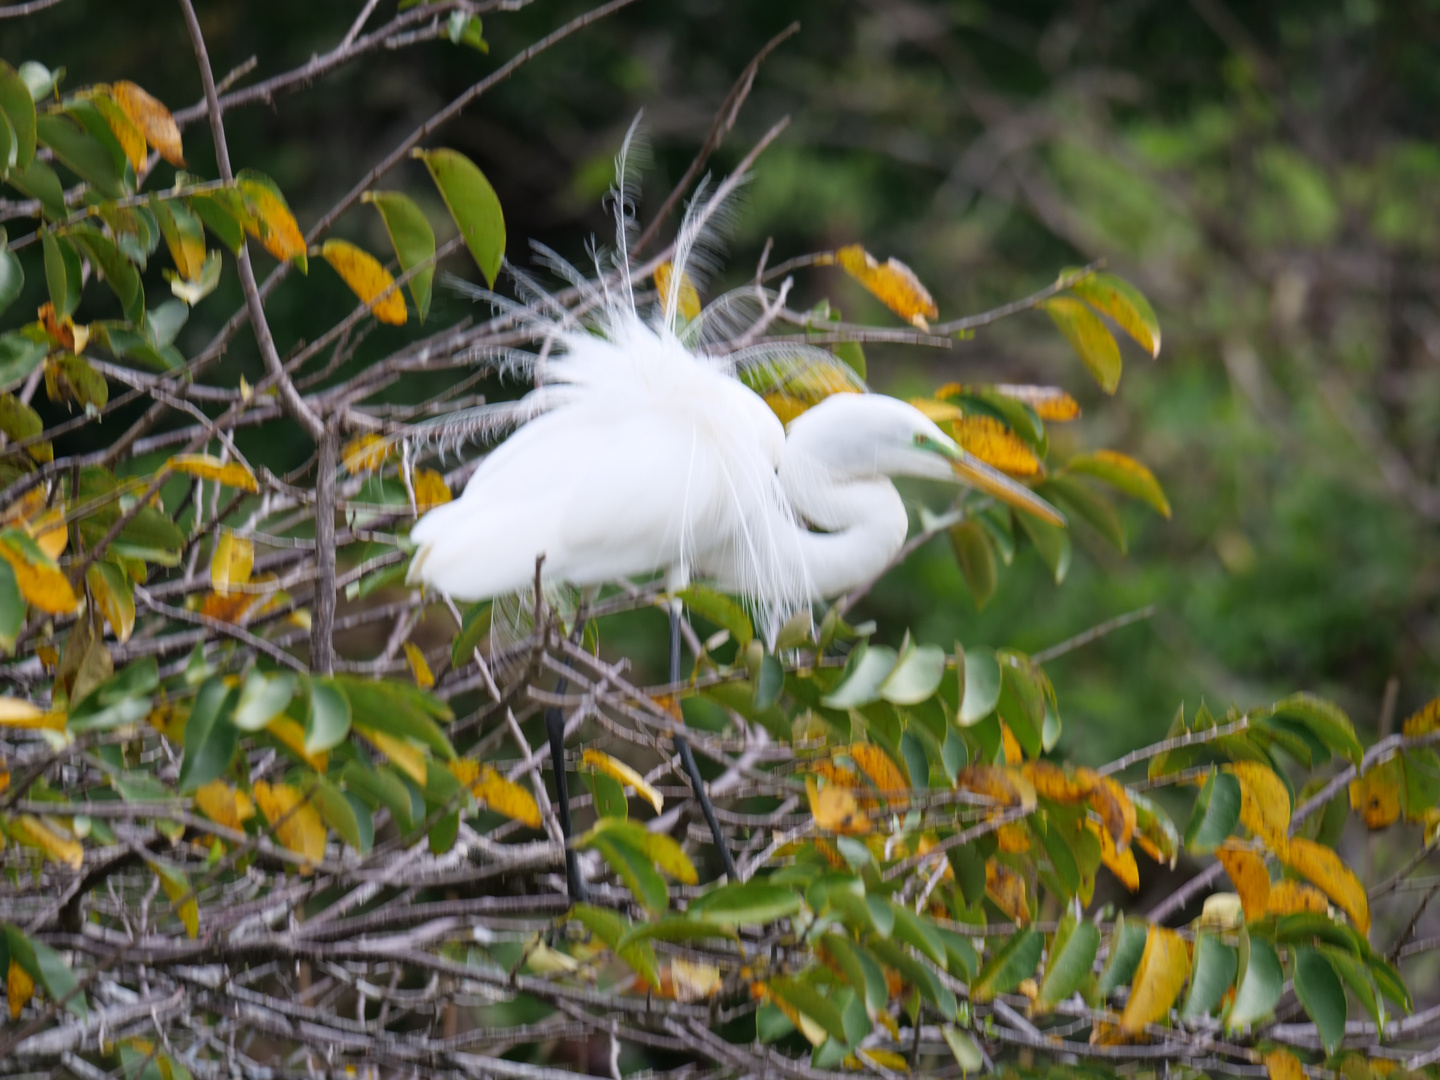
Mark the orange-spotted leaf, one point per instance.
(1119, 861)
(1422, 721)
(1059, 784)
(367, 279)
(127, 134)
(232, 562)
(430, 489)
(1006, 888)
(618, 770)
(224, 805)
(1328, 872)
(233, 474)
(1009, 787)
(835, 808)
(883, 773)
(893, 283)
(1164, 968)
(686, 299)
(1111, 802)
(152, 118)
(1012, 837)
(996, 445)
(1049, 402)
(365, 454)
(269, 219)
(1376, 795)
(1264, 803)
(1291, 897)
(419, 668)
(1089, 337)
(1281, 1064)
(1252, 880)
(296, 821)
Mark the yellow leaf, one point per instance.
(1328, 871)
(1117, 813)
(1012, 837)
(1283, 1065)
(996, 445)
(152, 118)
(178, 891)
(125, 130)
(1423, 721)
(1006, 888)
(19, 988)
(942, 412)
(1289, 897)
(1011, 745)
(292, 735)
(886, 1059)
(1164, 967)
(367, 280)
(224, 804)
(1252, 880)
(835, 809)
(786, 406)
(1264, 803)
(406, 757)
(41, 583)
(1067, 786)
(688, 300)
(204, 467)
(1376, 795)
(1049, 402)
(618, 770)
(232, 562)
(272, 223)
(299, 826)
(18, 713)
(424, 677)
(365, 454)
(690, 980)
(883, 773)
(893, 283)
(58, 846)
(506, 797)
(430, 489)
(1221, 911)
(1089, 337)
(1119, 861)
(116, 604)
(1117, 298)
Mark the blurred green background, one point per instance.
(1267, 174)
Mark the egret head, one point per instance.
(867, 436)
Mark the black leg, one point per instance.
(555, 729)
(687, 758)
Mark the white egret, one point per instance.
(640, 454)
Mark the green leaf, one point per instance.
(1012, 962)
(337, 812)
(1022, 700)
(920, 934)
(1051, 541)
(1071, 956)
(39, 79)
(466, 30)
(44, 965)
(612, 930)
(210, 738)
(1307, 926)
(262, 698)
(123, 698)
(19, 109)
(19, 421)
(919, 975)
(1389, 982)
(120, 273)
(1116, 297)
(12, 275)
(62, 273)
(751, 903)
(915, 675)
(720, 610)
(1089, 337)
(1080, 500)
(1127, 945)
(39, 181)
(20, 354)
(12, 607)
(635, 869)
(674, 928)
(397, 709)
(976, 558)
(968, 1054)
(1325, 720)
(1319, 990)
(75, 380)
(1210, 976)
(412, 239)
(474, 206)
(1125, 475)
(860, 969)
(1216, 813)
(1355, 975)
(609, 794)
(961, 951)
(81, 152)
(329, 719)
(380, 787)
(917, 763)
(223, 213)
(982, 686)
(769, 681)
(1261, 979)
(864, 673)
(800, 993)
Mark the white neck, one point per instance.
(864, 522)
